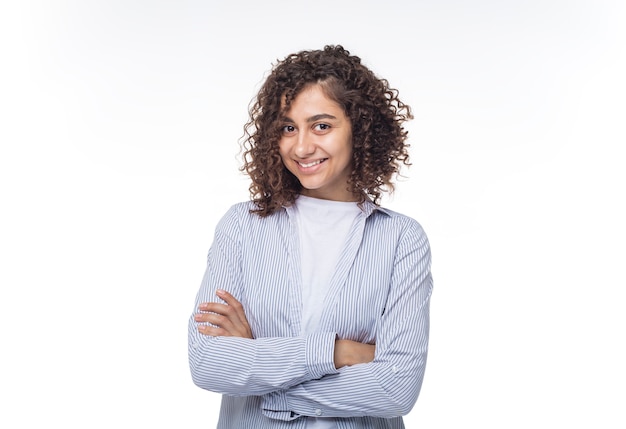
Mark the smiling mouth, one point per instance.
(311, 164)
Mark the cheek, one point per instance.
(348, 152)
(347, 146)
(284, 153)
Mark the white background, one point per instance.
(119, 129)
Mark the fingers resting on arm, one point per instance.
(226, 320)
(229, 320)
(349, 352)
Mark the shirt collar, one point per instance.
(367, 207)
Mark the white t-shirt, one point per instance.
(323, 228)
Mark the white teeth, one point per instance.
(311, 164)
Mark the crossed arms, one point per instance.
(229, 320)
(298, 375)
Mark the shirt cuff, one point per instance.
(320, 354)
(274, 405)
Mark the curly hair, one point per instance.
(375, 112)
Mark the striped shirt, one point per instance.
(379, 293)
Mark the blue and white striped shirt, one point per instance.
(380, 294)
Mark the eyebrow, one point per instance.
(313, 118)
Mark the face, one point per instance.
(316, 145)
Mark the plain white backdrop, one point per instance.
(119, 129)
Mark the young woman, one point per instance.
(314, 308)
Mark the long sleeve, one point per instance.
(389, 386)
(238, 366)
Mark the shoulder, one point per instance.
(240, 216)
(397, 230)
(240, 209)
(392, 219)
(243, 211)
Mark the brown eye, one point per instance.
(289, 129)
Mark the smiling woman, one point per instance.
(314, 308)
(358, 100)
(316, 146)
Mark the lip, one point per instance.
(310, 166)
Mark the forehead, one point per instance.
(311, 99)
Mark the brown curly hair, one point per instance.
(373, 108)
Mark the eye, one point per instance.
(321, 127)
(288, 129)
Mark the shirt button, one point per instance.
(318, 412)
(394, 369)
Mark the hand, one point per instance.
(228, 320)
(349, 352)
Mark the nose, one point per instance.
(304, 146)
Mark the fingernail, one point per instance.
(220, 292)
